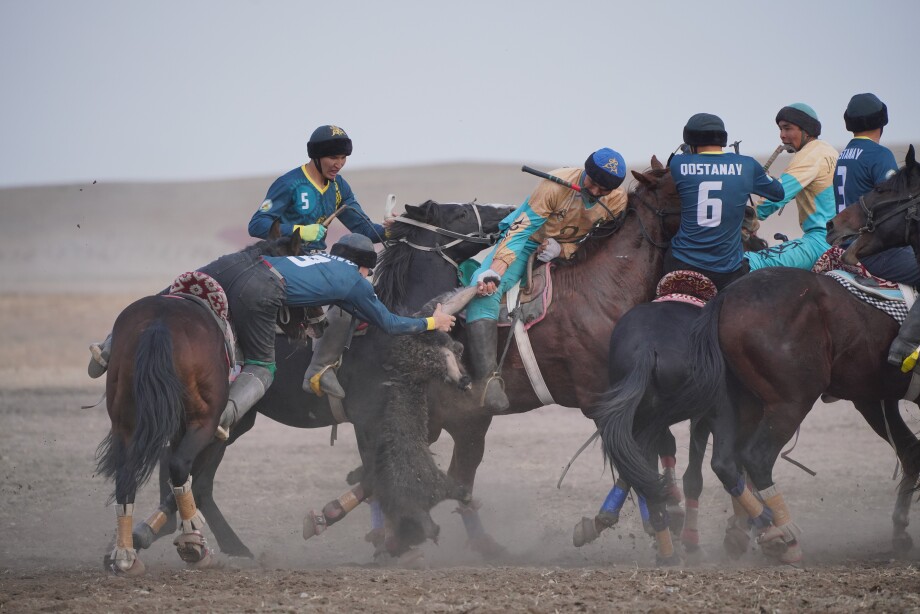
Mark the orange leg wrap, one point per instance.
(156, 521)
(749, 504)
(665, 546)
(777, 505)
(124, 539)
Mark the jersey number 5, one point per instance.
(709, 209)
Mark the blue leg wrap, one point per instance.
(472, 523)
(738, 490)
(376, 514)
(764, 520)
(615, 500)
(643, 509)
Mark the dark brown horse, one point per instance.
(167, 385)
(788, 336)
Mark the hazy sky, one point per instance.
(163, 90)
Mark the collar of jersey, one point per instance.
(321, 190)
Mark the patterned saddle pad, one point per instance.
(685, 287)
(204, 290)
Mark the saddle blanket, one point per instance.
(889, 299)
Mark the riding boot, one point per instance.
(904, 349)
(99, 361)
(320, 376)
(245, 391)
(482, 342)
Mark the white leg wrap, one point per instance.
(192, 519)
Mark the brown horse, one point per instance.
(788, 336)
(167, 385)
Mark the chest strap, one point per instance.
(526, 351)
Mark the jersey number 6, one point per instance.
(708, 209)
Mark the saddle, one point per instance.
(204, 291)
(532, 298)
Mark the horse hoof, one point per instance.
(792, 555)
(585, 532)
(206, 560)
(413, 558)
(314, 523)
(902, 543)
(736, 542)
(192, 547)
(667, 561)
(137, 567)
(694, 554)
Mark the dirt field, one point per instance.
(55, 526)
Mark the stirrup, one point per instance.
(316, 384)
(222, 433)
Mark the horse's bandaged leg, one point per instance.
(156, 521)
(782, 519)
(471, 521)
(669, 463)
(665, 545)
(337, 509)
(753, 508)
(192, 520)
(690, 534)
(123, 558)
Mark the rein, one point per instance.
(479, 236)
(661, 214)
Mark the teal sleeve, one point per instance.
(791, 186)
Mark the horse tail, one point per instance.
(615, 416)
(159, 410)
(707, 363)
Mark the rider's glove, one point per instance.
(311, 232)
(549, 250)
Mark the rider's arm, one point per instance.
(527, 219)
(354, 218)
(363, 302)
(276, 201)
(802, 170)
(767, 186)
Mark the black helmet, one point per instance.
(865, 112)
(357, 248)
(328, 141)
(705, 129)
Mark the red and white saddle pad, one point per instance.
(204, 287)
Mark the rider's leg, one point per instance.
(906, 346)
(801, 253)
(320, 377)
(245, 391)
(99, 360)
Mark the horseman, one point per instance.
(303, 198)
(257, 286)
(551, 223)
(863, 164)
(714, 188)
(809, 180)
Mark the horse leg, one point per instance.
(123, 560)
(781, 538)
(190, 544)
(315, 522)
(205, 469)
(589, 529)
(469, 435)
(889, 425)
(163, 520)
(667, 451)
(693, 485)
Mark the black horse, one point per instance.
(436, 235)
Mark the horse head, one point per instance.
(656, 190)
(883, 218)
(451, 233)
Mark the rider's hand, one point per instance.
(548, 250)
(487, 282)
(311, 232)
(442, 321)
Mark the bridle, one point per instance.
(909, 204)
(479, 236)
(661, 213)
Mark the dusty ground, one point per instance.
(55, 527)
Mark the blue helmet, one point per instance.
(606, 168)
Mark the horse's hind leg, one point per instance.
(163, 520)
(190, 544)
(889, 425)
(667, 452)
(205, 469)
(589, 529)
(123, 559)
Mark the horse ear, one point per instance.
(910, 160)
(275, 231)
(642, 178)
(656, 164)
(415, 212)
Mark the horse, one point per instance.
(812, 337)
(167, 384)
(437, 236)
